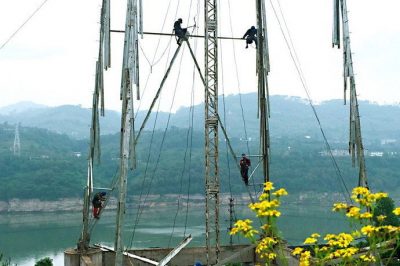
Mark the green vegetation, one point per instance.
(385, 207)
(4, 261)
(44, 262)
(53, 166)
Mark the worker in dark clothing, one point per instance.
(97, 202)
(244, 168)
(250, 36)
(179, 31)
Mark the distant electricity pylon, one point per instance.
(17, 143)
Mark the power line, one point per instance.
(296, 62)
(23, 24)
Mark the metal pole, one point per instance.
(356, 147)
(170, 34)
(231, 219)
(211, 131)
(262, 88)
(125, 136)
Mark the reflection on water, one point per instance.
(28, 237)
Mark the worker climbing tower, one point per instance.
(211, 131)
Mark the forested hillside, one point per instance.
(290, 117)
(53, 166)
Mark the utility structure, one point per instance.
(212, 122)
(211, 130)
(17, 142)
(356, 148)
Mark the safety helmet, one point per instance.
(103, 193)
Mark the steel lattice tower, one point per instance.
(211, 131)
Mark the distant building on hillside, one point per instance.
(335, 153)
(388, 141)
(376, 154)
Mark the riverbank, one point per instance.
(75, 204)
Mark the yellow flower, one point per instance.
(244, 227)
(339, 206)
(324, 249)
(353, 212)
(348, 252)
(265, 227)
(368, 230)
(341, 240)
(268, 186)
(305, 258)
(380, 195)
(263, 196)
(271, 256)
(297, 251)
(360, 191)
(310, 240)
(315, 235)
(387, 228)
(396, 211)
(356, 234)
(381, 218)
(265, 246)
(329, 237)
(366, 215)
(280, 192)
(368, 258)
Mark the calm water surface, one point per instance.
(28, 237)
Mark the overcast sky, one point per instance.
(51, 60)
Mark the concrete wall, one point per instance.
(187, 257)
(93, 257)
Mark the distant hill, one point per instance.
(67, 119)
(20, 108)
(290, 117)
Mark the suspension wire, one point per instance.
(140, 211)
(224, 114)
(231, 209)
(154, 56)
(182, 174)
(237, 79)
(240, 93)
(191, 114)
(140, 207)
(23, 24)
(297, 64)
(192, 109)
(189, 144)
(161, 147)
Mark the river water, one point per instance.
(28, 237)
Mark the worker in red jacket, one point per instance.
(97, 202)
(244, 168)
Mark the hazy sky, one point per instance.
(51, 60)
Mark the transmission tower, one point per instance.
(211, 131)
(17, 143)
